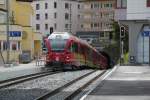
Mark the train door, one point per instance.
(74, 49)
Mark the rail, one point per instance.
(62, 88)
(17, 80)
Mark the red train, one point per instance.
(66, 51)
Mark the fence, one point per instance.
(40, 59)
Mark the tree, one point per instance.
(114, 49)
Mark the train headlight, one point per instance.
(67, 57)
(57, 58)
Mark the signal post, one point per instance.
(122, 35)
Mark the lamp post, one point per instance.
(7, 29)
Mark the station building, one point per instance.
(22, 38)
(137, 19)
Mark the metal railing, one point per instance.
(40, 59)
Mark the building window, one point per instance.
(82, 26)
(46, 5)
(78, 16)
(18, 45)
(46, 16)
(101, 5)
(55, 15)
(37, 16)
(95, 25)
(55, 26)
(46, 26)
(66, 26)
(121, 4)
(14, 45)
(148, 3)
(66, 16)
(96, 5)
(106, 5)
(66, 6)
(37, 6)
(102, 34)
(91, 25)
(37, 26)
(4, 45)
(70, 26)
(78, 6)
(55, 5)
(124, 3)
(101, 25)
(91, 6)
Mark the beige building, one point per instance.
(21, 35)
(95, 19)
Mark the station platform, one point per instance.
(19, 70)
(125, 83)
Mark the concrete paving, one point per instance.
(125, 83)
(19, 70)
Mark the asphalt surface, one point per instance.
(125, 83)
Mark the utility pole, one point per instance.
(7, 29)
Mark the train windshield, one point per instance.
(58, 45)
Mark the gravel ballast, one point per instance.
(32, 89)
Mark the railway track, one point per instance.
(73, 88)
(17, 80)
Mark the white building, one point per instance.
(56, 15)
(121, 10)
(132, 9)
(137, 21)
(138, 9)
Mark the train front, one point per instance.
(56, 55)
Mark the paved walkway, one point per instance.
(126, 83)
(19, 70)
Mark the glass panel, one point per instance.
(146, 49)
(140, 49)
(118, 3)
(124, 3)
(143, 47)
(58, 45)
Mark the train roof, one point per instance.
(59, 35)
(66, 35)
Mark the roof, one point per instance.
(66, 35)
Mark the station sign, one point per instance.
(15, 33)
(146, 33)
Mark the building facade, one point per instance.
(120, 10)
(137, 20)
(138, 9)
(22, 38)
(95, 19)
(55, 15)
